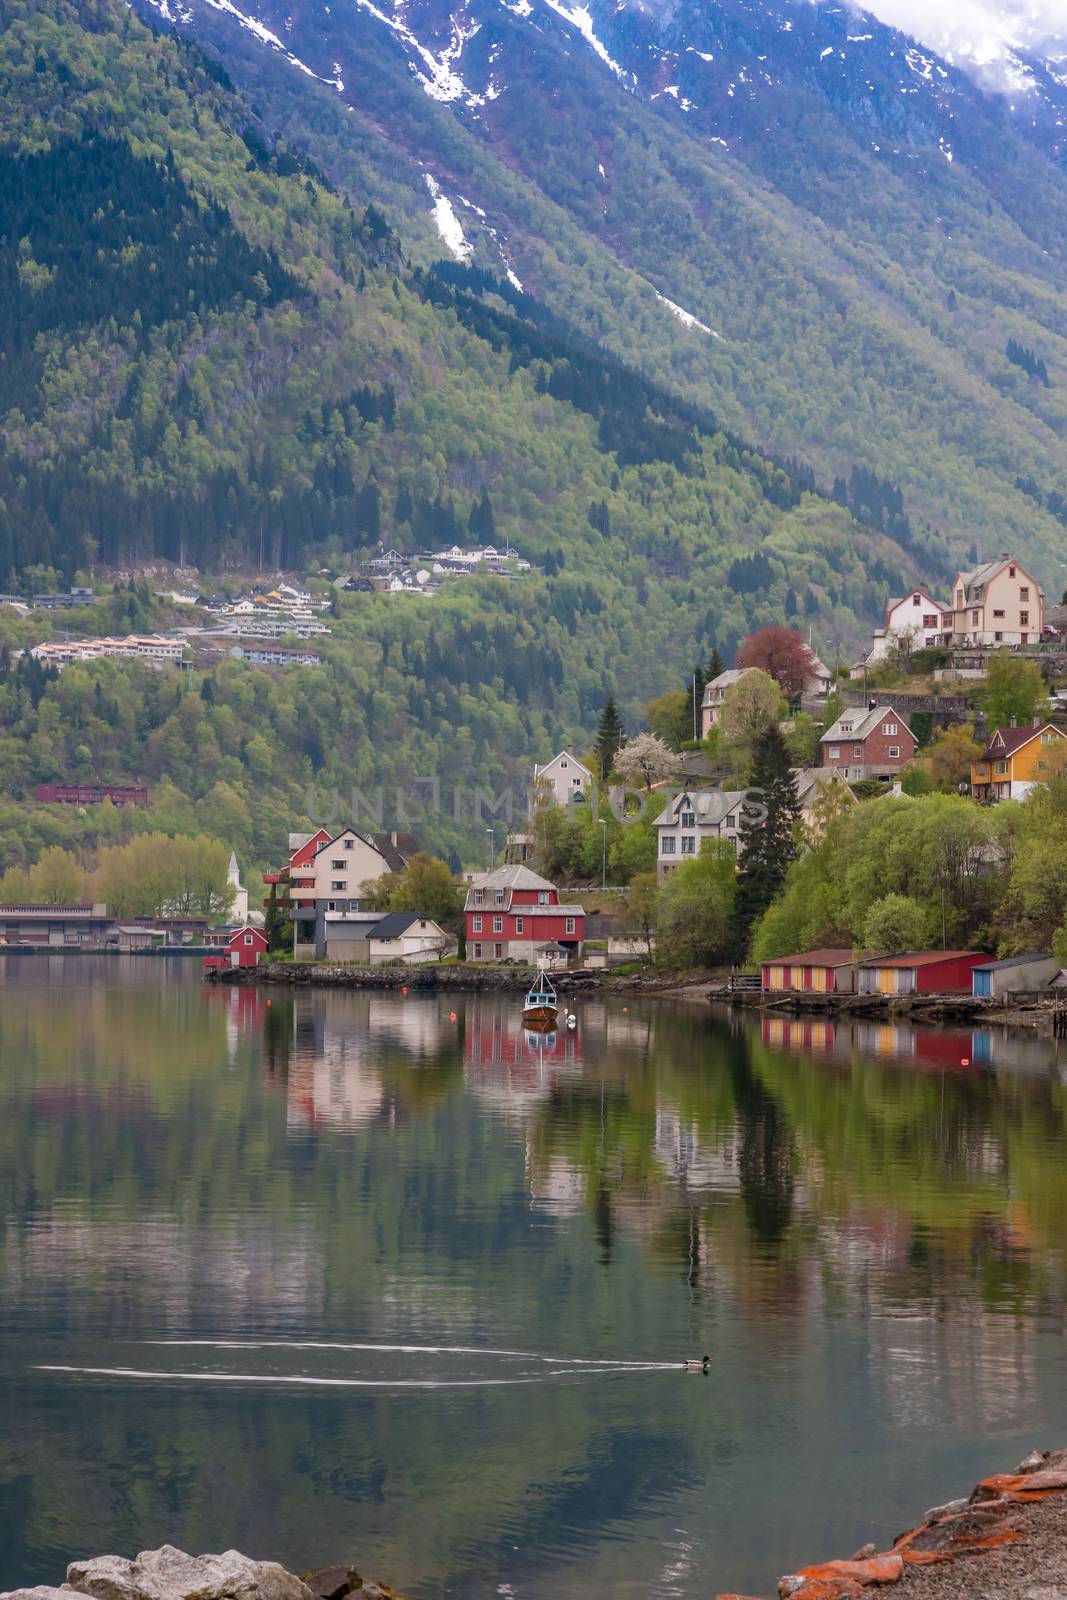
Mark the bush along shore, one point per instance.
(1007, 1540)
(457, 975)
(170, 1574)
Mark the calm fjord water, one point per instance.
(285, 1276)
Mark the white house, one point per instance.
(916, 621)
(407, 936)
(696, 815)
(564, 775)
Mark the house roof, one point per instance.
(395, 923)
(817, 958)
(724, 681)
(1006, 741)
(980, 574)
(397, 848)
(924, 594)
(808, 780)
(858, 724)
(510, 878)
(922, 958)
(1015, 961)
(709, 805)
(543, 767)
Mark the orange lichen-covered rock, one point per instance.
(829, 1589)
(875, 1569)
(1033, 1484)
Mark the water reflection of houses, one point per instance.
(339, 1045)
(935, 1049)
(509, 1066)
(695, 1168)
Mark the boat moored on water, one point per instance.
(541, 1005)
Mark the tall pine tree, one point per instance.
(609, 736)
(767, 845)
(715, 665)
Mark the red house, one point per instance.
(242, 949)
(875, 743)
(300, 872)
(920, 972)
(513, 915)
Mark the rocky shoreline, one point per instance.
(1037, 1012)
(1007, 1540)
(170, 1574)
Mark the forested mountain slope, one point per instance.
(859, 230)
(208, 353)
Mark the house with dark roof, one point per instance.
(994, 980)
(1015, 759)
(408, 936)
(875, 743)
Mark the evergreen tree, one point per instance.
(768, 845)
(481, 524)
(274, 922)
(609, 735)
(715, 665)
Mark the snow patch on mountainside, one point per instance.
(260, 31)
(436, 74)
(448, 224)
(686, 317)
(578, 17)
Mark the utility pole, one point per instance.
(491, 843)
(695, 735)
(603, 852)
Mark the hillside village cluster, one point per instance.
(253, 626)
(513, 914)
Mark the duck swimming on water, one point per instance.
(700, 1364)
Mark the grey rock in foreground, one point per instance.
(170, 1574)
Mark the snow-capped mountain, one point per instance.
(720, 66)
(791, 213)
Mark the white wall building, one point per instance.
(695, 816)
(565, 775)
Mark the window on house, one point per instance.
(349, 844)
(1000, 768)
(930, 619)
(338, 883)
(498, 950)
(542, 898)
(916, 600)
(1024, 592)
(997, 637)
(835, 752)
(998, 613)
(500, 897)
(479, 896)
(667, 845)
(338, 866)
(689, 819)
(570, 925)
(974, 619)
(520, 925)
(894, 750)
(249, 939)
(1048, 737)
(857, 752)
(498, 924)
(477, 952)
(476, 925)
(889, 729)
(1011, 572)
(689, 845)
(1024, 618)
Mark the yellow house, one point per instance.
(1015, 759)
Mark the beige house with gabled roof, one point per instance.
(565, 776)
(996, 603)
